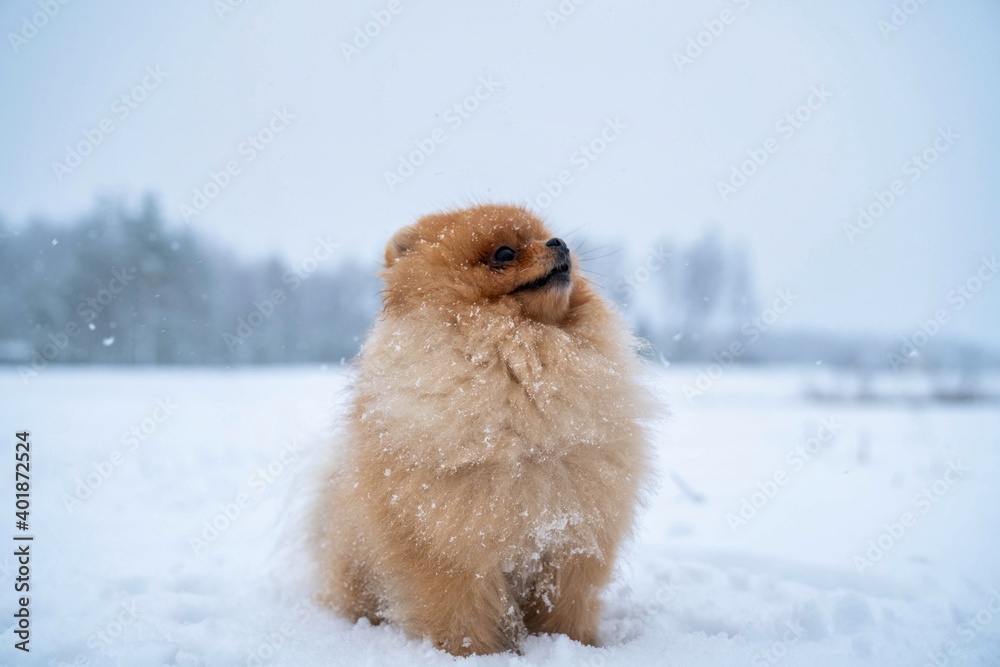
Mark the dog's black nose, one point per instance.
(561, 251)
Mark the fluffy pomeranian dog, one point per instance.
(496, 446)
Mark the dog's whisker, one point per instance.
(574, 231)
(604, 247)
(591, 258)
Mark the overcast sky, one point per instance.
(675, 120)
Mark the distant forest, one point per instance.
(122, 286)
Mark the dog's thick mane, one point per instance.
(504, 404)
(510, 380)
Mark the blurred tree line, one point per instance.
(686, 299)
(121, 286)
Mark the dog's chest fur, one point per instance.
(510, 436)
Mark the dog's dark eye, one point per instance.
(503, 254)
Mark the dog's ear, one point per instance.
(400, 243)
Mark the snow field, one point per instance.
(781, 531)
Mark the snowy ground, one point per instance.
(117, 577)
